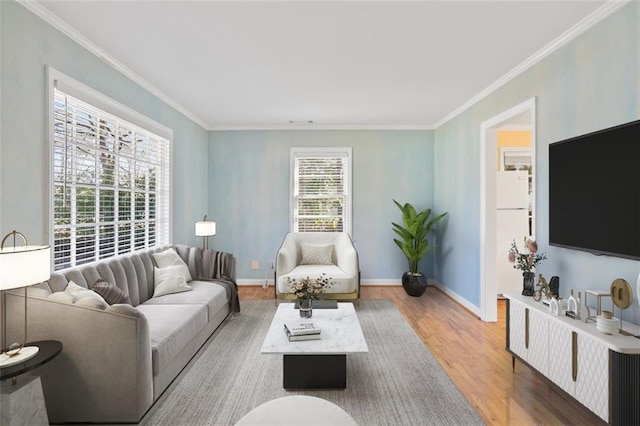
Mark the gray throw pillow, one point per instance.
(110, 292)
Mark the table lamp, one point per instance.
(205, 228)
(20, 266)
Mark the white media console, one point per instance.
(600, 371)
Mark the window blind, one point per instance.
(321, 197)
(110, 182)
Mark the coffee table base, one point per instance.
(315, 371)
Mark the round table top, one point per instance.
(49, 349)
(297, 410)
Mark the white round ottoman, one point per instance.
(297, 410)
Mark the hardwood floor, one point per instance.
(473, 353)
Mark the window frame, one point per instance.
(302, 152)
(97, 100)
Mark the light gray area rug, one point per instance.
(398, 382)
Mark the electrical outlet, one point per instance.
(255, 264)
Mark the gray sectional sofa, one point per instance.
(118, 359)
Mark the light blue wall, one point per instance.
(28, 45)
(589, 84)
(249, 187)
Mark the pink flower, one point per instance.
(532, 246)
(512, 257)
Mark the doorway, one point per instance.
(521, 116)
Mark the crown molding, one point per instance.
(592, 19)
(315, 126)
(76, 36)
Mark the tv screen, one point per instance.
(594, 192)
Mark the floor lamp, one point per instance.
(205, 228)
(20, 267)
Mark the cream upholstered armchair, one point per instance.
(310, 254)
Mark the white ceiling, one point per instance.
(343, 64)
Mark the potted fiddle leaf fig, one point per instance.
(414, 243)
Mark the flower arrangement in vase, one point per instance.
(307, 289)
(526, 261)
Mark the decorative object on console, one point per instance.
(543, 289)
(621, 296)
(573, 306)
(205, 228)
(558, 306)
(598, 295)
(414, 244)
(20, 266)
(607, 325)
(526, 261)
(528, 280)
(554, 286)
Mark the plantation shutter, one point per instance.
(110, 183)
(321, 199)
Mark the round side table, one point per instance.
(23, 403)
(49, 349)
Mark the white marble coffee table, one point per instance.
(316, 363)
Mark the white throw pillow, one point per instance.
(79, 292)
(92, 302)
(169, 279)
(62, 297)
(170, 257)
(316, 254)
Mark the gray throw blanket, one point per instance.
(218, 267)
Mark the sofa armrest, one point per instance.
(104, 371)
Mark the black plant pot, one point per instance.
(414, 284)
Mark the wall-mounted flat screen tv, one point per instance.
(594, 192)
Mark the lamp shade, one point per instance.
(205, 228)
(24, 266)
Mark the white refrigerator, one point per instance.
(512, 224)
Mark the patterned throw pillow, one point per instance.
(110, 292)
(316, 254)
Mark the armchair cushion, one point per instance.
(316, 254)
(343, 282)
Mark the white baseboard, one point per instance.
(383, 283)
(254, 282)
(455, 296)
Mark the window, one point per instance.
(321, 190)
(110, 182)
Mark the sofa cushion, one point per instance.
(344, 283)
(204, 293)
(316, 254)
(169, 279)
(110, 292)
(171, 328)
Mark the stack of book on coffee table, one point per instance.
(301, 330)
